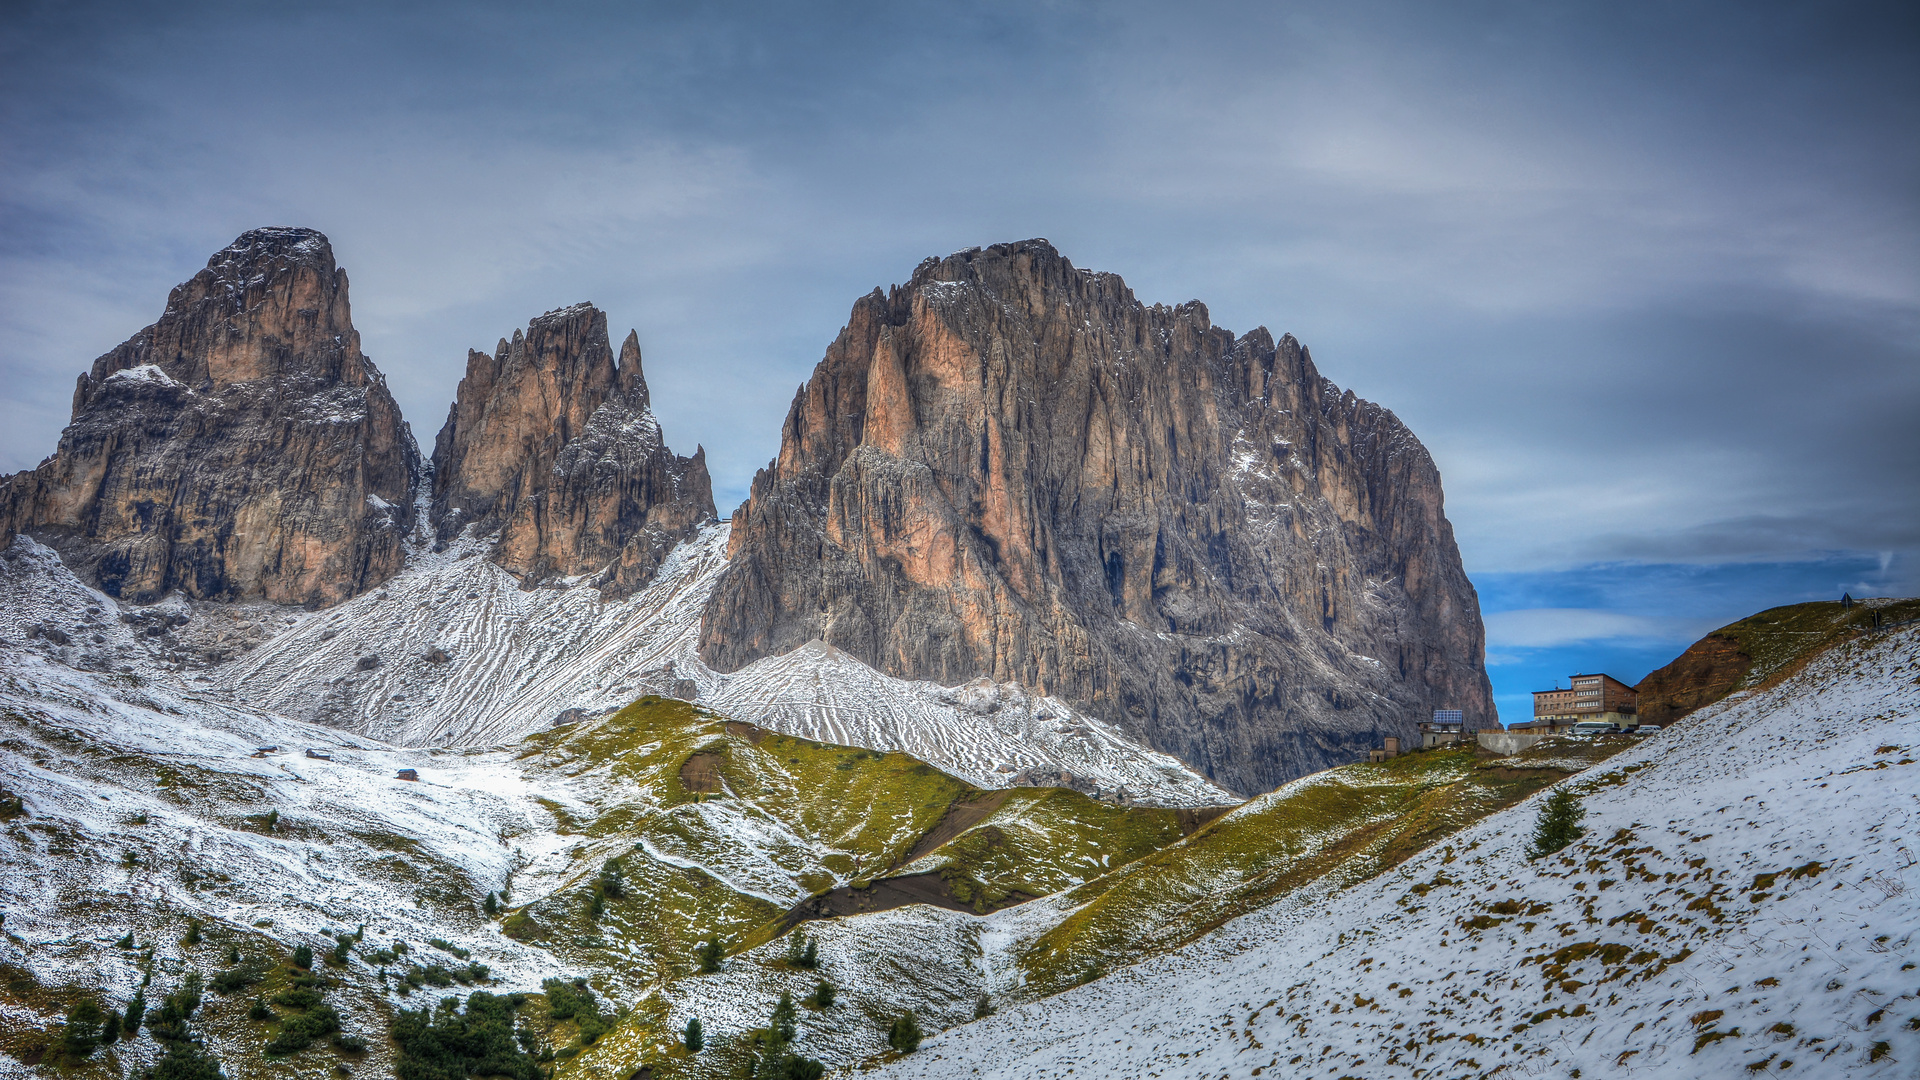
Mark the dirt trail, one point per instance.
(962, 814)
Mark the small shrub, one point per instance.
(186, 1060)
(446, 946)
(983, 1008)
(193, 933)
(236, 978)
(303, 957)
(709, 955)
(350, 1044)
(692, 1038)
(490, 905)
(298, 997)
(904, 1034)
(569, 1000)
(303, 1030)
(258, 1010)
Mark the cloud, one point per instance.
(1645, 278)
(1540, 628)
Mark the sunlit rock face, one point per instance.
(552, 447)
(241, 447)
(1011, 468)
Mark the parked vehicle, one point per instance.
(1595, 727)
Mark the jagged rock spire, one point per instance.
(551, 447)
(163, 480)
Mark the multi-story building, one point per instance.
(1590, 697)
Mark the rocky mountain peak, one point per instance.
(159, 483)
(551, 445)
(1011, 468)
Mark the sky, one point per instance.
(1644, 277)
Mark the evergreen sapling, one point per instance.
(1558, 824)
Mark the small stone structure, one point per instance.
(1392, 749)
(1447, 727)
(407, 774)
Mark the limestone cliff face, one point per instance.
(242, 447)
(1010, 467)
(551, 445)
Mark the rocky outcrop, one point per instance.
(551, 445)
(241, 447)
(1011, 468)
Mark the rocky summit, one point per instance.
(241, 447)
(1011, 468)
(552, 445)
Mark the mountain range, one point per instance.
(1197, 543)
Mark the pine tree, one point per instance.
(904, 1035)
(303, 958)
(193, 933)
(110, 1029)
(491, 906)
(710, 954)
(612, 881)
(233, 955)
(136, 1012)
(781, 1025)
(81, 1037)
(1558, 824)
(983, 1008)
(125, 942)
(810, 959)
(822, 996)
(258, 1010)
(693, 1039)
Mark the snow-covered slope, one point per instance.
(1742, 904)
(452, 652)
(146, 802)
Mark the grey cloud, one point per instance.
(1694, 222)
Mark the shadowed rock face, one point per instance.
(1010, 467)
(552, 445)
(242, 447)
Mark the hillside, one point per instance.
(1759, 650)
(1740, 904)
(142, 813)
